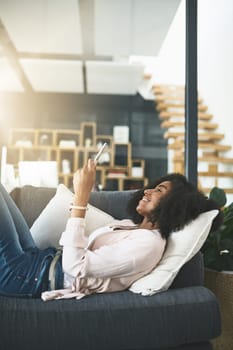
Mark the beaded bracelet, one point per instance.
(78, 207)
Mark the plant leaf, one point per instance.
(218, 247)
(218, 195)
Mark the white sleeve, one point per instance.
(74, 243)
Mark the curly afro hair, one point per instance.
(182, 204)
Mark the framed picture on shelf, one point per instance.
(121, 133)
(138, 166)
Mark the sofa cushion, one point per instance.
(48, 227)
(120, 320)
(182, 245)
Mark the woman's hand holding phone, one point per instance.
(83, 183)
(100, 152)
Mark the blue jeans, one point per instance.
(23, 266)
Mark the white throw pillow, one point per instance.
(181, 247)
(48, 227)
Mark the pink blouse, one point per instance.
(109, 260)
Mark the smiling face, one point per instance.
(152, 197)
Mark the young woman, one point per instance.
(112, 258)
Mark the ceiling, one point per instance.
(80, 46)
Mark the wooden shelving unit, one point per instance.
(71, 149)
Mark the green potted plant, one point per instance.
(218, 261)
(218, 248)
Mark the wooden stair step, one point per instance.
(215, 173)
(207, 125)
(161, 106)
(168, 115)
(206, 159)
(168, 124)
(201, 125)
(216, 159)
(165, 98)
(201, 145)
(169, 100)
(201, 136)
(147, 76)
(168, 94)
(167, 88)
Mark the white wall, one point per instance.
(170, 62)
(215, 68)
(215, 57)
(215, 54)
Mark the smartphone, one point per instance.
(100, 152)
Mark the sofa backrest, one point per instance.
(112, 202)
(32, 200)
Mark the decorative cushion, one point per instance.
(181, 247)
(48, 227)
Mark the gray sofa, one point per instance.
(184, 317)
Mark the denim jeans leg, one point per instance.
(59, 275)
(25, 276)
(22, 264)
(21, 227)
